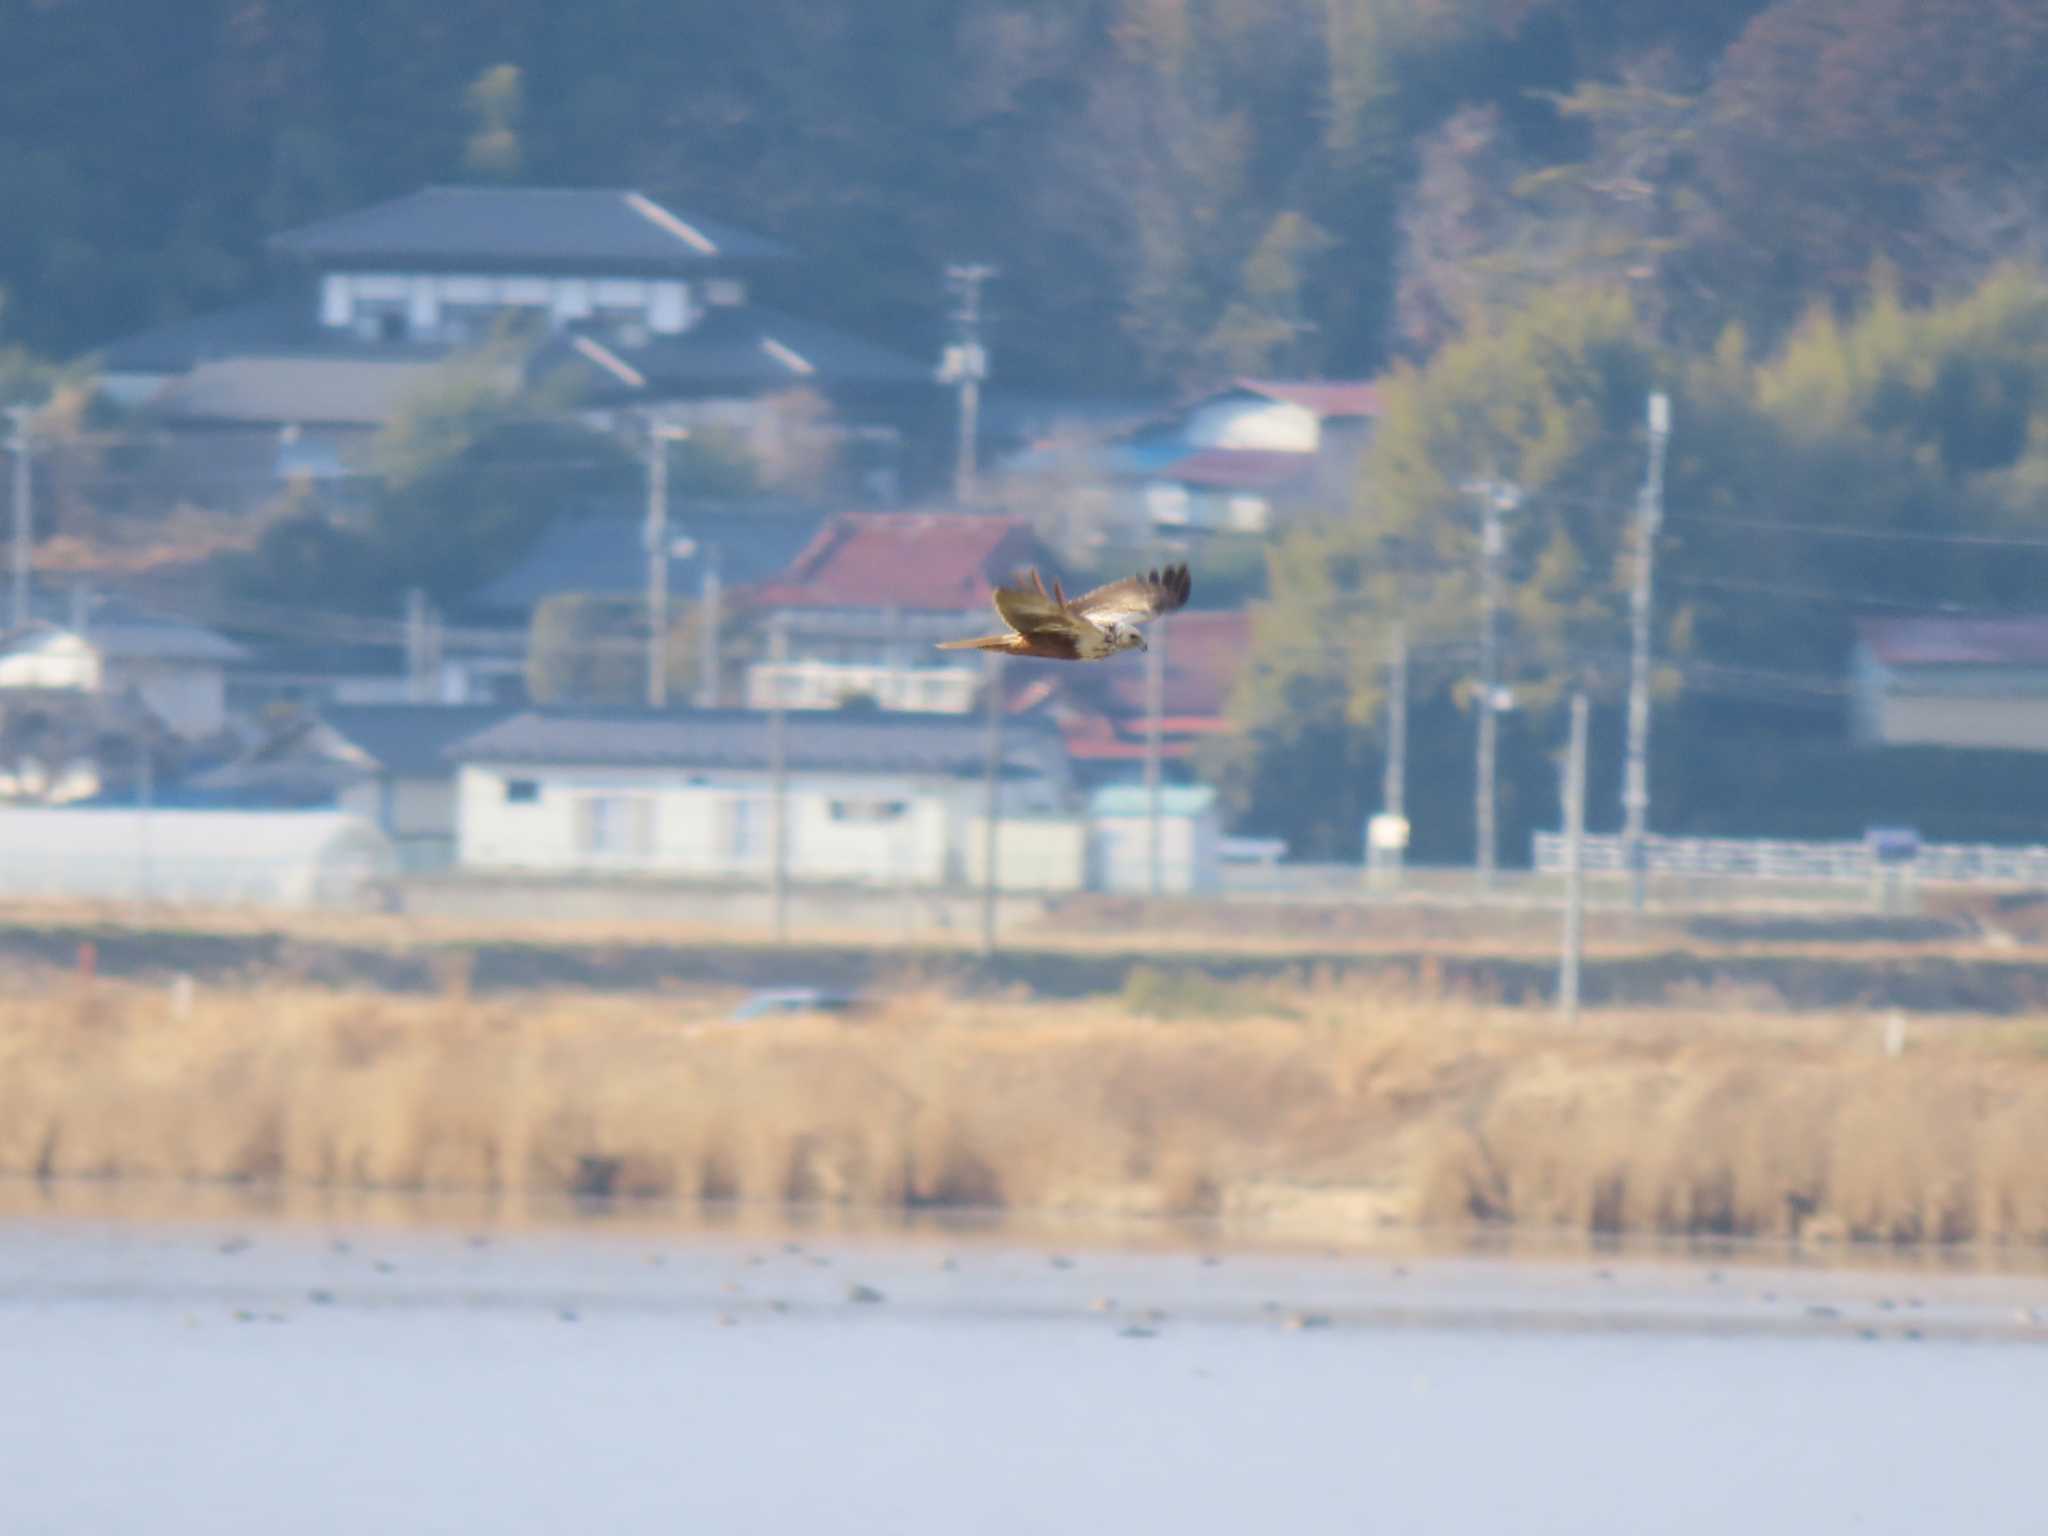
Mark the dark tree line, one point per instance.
(1173, 187)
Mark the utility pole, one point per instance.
(710, 594)
(147, 802)
(1394, 780)
(965, 365)
(991, 791)
(18, 609)
(416, 646)
(778, 778)
(1635, 792)
(1155, 704)
(1495, 497)
(1574, 865)
(658, 439)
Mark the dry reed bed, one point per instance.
(1312, 1114)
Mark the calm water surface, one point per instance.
(213, 1375)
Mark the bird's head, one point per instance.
(1126, 637)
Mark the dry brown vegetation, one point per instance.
(1304, 1113)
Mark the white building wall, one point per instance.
(1190, 849)
(57, 659)
(2011, 724)
(876, 828)
(200, 858)
(1038, 853)
(403, 808)
(337, 302)
(668, 309)
(189, 697)
(1254, 423)
(423, 305)
(348, 297)
(945, 690)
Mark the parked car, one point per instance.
(776, 1000)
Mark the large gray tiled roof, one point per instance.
(603, 552)
(411, 740)
(325, 391)
(592, 228)
(119, 627)
(744, 347)
(867, 741)
(275, 323)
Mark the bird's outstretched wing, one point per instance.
(1030, 610)
(1134, 599)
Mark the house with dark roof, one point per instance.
(868, 797)
(714, 548)
(864, 603)
(643, 307)
(385, 763)
(1239, 459)
(1951, 681)
(89, 643)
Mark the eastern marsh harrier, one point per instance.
(1091, 627)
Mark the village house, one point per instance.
(873, 798)
(1242, 460)
(1950, 681)
(387, 765)
(716, 551)
(91, 644)
(864, 604)
(645, 310)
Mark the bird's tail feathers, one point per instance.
(980, 643)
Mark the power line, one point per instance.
(173, 479)
(1836, 597)
(1868, 535)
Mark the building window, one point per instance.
(380, 320)
(745, 830)
(615, 826)
(522, 791)
(870, 811)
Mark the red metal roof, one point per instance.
(1326, 397)
(1940, 641)
(921, 561)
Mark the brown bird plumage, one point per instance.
(1091, 627)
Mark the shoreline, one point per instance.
(252, 1271)
(238, 1207)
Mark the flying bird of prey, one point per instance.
(1090, 627)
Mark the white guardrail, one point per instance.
(1781, 859)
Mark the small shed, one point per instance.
(193, 857)
(1120, 838)
(1950, 680)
